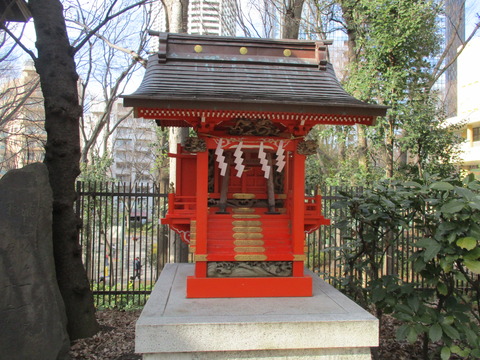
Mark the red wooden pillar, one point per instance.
(201, 214)
(298, 210)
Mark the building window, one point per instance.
(476, 134)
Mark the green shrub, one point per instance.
(442, 305)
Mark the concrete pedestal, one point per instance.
(326, 326)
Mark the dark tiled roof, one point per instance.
(217, 73)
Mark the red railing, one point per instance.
(181, 205)
(313, 205)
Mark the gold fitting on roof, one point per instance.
(287, 52)
(243, 50)
(198, 48)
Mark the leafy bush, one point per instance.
(440, 304)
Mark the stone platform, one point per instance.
(326, 326)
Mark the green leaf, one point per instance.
(435, 332)
(472, 337)
(447, 226)
(445, 353)
(419, 265)
(458, 350)
(441, 185)
(424, 242)
(453, 206)
(432, 250)
(442, 289)
(473, 254)
(448, 320)
(446, 265)
(475, 204)
(414, 303)
(412, 183)
(405, 309)
(466, 193)
(378, 294)
(411, 335)
(476, 353)
(450, 331)
(474, 231)
(402, 332)
(472, 265)
(468, 243)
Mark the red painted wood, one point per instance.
(248, 287)
(201, 269)
(216, 235)
(298, 267)
(202, 209)
(202, 120)
(298, 202)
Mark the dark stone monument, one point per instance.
(32, 314)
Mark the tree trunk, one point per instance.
(362, 147)
(291, 19)
(389, 149)
(58, 77)
(348, 16)
(347, 10)
(177, 15)
(177, 20)
(403, 157)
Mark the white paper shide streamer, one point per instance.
(221, 158)
(263, 161)
(280, 157)
(239, 160)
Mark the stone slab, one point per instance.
(327, 325)
(33, 323)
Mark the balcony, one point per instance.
(470, 152)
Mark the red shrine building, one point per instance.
(239, 200)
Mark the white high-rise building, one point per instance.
(212, 17)
(468, 106)
(205, 17)
(131, 147)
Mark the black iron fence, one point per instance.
(125, 246)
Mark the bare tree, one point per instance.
(106, 65)
(270, 18)
(55, 64)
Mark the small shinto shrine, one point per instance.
(239, 199)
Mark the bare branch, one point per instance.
(17, 106)
(135, 56)
(438, 70)
(18, 41)
(107, 18)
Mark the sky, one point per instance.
(472, 7)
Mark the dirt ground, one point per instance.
(116, 340)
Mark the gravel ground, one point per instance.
(116, 340)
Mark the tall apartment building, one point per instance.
(468, 106)
(205, 17)
(23, 137)
(132, 148)
(212, 17)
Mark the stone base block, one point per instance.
(325, 326)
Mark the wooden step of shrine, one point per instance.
(248, 236)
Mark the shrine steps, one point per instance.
(244, 237)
